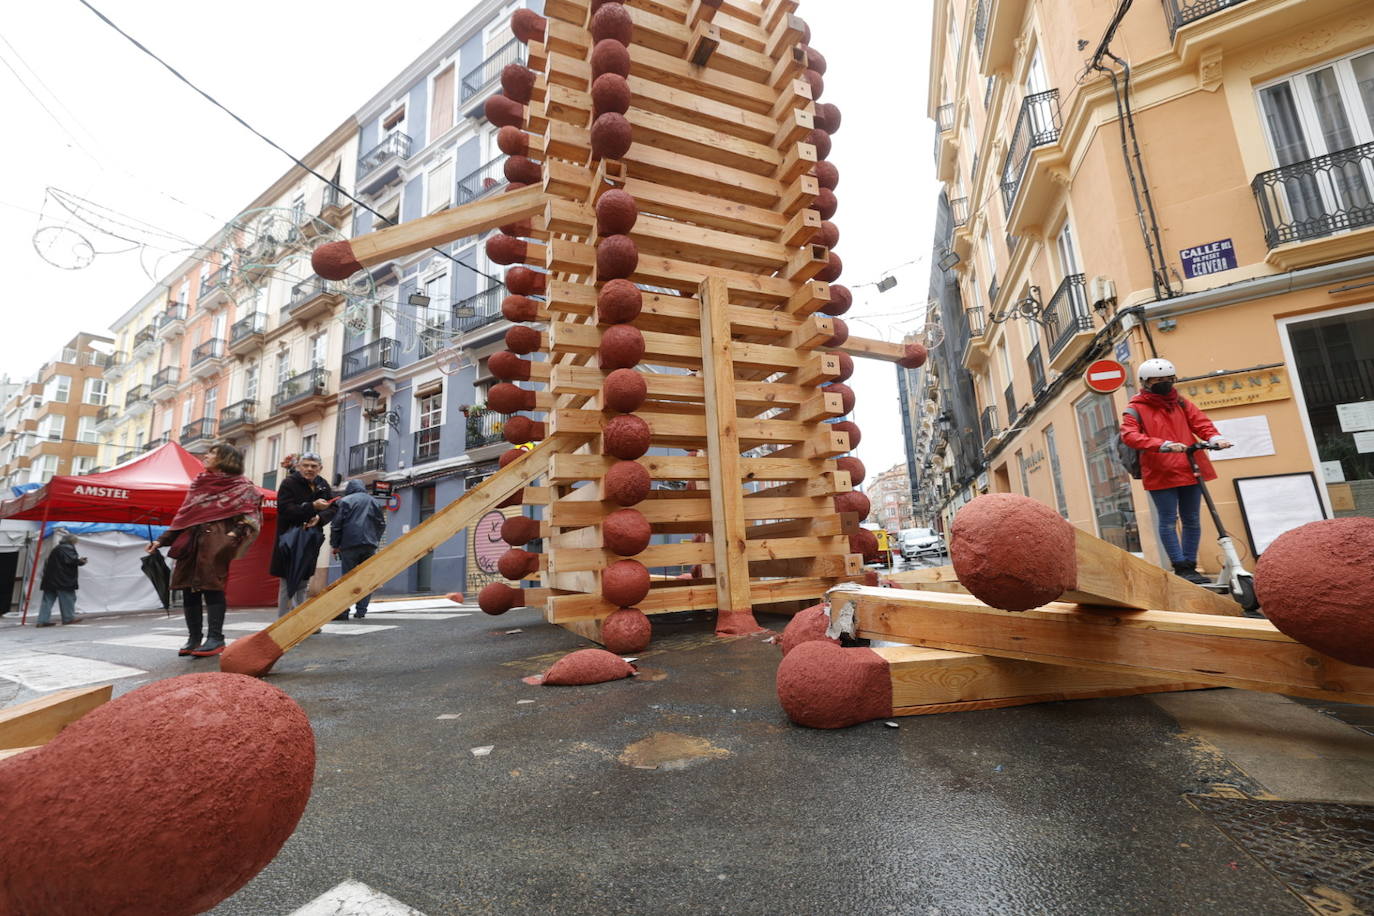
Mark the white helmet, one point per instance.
(1155, 368)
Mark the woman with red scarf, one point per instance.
(1161, 426)
(218, 521)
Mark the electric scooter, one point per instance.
(1233, 578)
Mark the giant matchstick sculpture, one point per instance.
(669, 205)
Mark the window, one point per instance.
(298, 210)
(58, 388)
(310, 443)
(186, 407)
(395, 120)
(273, 452)
(1067, 252)
(431, 410)
(96, 392)
(83, 464)
(52, 427)
(250, 383)
(211, 402)
(85, 429)
(47, 468)
(439, 190)
(221, 319)
(990, 259)
(390, 213)
(441, 114)
(953, 34)
(1056, 473)
(319, 349)
(283, 369)
(374, 428)
(433, 320)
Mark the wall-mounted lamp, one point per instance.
(948, 260)
(374, 409)
(886, 283)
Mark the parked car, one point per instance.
(921, 542)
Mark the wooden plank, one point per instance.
(566, 468)
(873, 349)
(687, 507)
(370, 575)
(1109, 575)
(931, 579)
(1197, 648)
(928, 681)
(723, 452)
(38, 721)
(698, 596)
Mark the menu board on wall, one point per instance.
(1276, 503)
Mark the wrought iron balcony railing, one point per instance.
(1037, 125)
(977, 323)
(333, 199)
(1182, 12)
(482, 75)
(310, 288)
(236, 415)
(217, 280)
(127, 456)
(988, 421)
(944, 117)
(167, 375)
(306, 384)
(157, 442)
(426, 445)
(958, 209)
(211, 349)
(382, 352)
(479, 181)
(255, 323)
(478, 310)
(393, 145)
(198, 430)
(485, 428)
(106, 414)
(1067, 313)
(367, 456)
(1317, 197)
(174, 312)
(146, 335)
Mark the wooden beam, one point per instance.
(1196, 648)
(38, 721)
(1112, 576)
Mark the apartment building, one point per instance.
(1194, 183)
(890, 494)
(49, 420)
(123, 423)
(414, 375)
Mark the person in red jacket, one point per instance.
(1168, 424)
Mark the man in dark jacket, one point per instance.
(59, 582)
(357, 529)
(303, 501)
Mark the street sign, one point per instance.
(1212, 258)
(1123, 351)
(1105, 375)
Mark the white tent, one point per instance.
(112, 579)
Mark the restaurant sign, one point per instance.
(1237, 389)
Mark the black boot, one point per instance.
(191, 645)
(214, 643)
(191, 609)
(1189, 571)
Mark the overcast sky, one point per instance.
(109, 125)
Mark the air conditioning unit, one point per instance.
(1103, 293)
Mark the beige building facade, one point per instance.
(1206, 196)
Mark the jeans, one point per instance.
(1170, 504)
(350, 557)
(287, 603)
(66, 602)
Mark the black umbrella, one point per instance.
(157, 571)
(296, 552)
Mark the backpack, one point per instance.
(1127, 457)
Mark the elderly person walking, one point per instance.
(357, 529)
(303, 501)
(59, 582)
(218, 521)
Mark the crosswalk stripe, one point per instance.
(354, 898)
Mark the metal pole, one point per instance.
(33, 572)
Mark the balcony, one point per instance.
(207, 358)
(478, 311)
(482, 429)
(1182, 12)
(1004, 19)
(488, 71)
(137, 400)
(197, 434)
(145, 341)
(426, 445)
(127, 456)
(312, 297)
(269, 480)
(302, 393)
(946, 145)
(367, 458)
(1068, 324)
(238, 418)
(381, 165)
(114, 368)
(1330, 198)
(988, 423)
(106, 416)
(165, 383)
(958, 211)
(373, 358)
(482, 180)
(975, 351)
(334, 206)
(171, 322)
(1037, 125)
(246, 334)
(156, 443)
(214, 290)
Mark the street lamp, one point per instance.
(373, 409)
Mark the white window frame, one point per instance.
(96, 391)
(85, 430)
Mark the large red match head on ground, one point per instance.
(1314, 584)
(626, 631)
(626, 437)
(625, 583)
(498, 597)
(624, 390)
(1013, 552)
(587, 666)
(821, 685)
(806, 626)
(164, 801)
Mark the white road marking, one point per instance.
(427, 615)
(354, 898)
(147, 641)
(353, 629)
(412, 604)
(45, 671)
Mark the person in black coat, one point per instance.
(59, 582)
(358, 527)
(303, 501)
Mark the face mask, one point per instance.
(1161, 387)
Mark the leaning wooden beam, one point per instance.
(38, 721)
(255, 655)
(1198, 648)
(340, 260)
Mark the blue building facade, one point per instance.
(414, 375)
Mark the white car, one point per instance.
(919, 542)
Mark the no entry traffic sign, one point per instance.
(1105, 375)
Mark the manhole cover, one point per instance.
(1323, 851)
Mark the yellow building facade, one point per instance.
(1205, 194)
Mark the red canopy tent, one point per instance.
(148, 491)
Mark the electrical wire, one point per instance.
(213, 101)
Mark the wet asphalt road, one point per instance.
(686, 790)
